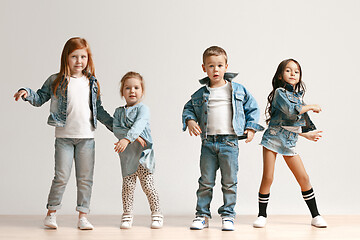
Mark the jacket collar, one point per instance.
(228, 77)
(290, 88)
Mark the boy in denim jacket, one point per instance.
(221, 112)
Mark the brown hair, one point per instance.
(70, 46)
(214, 51)
(131, 75)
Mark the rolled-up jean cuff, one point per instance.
(82, 209)
(57, 207)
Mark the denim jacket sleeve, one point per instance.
(290, 108)
(141, 120)
(103, 116)
(252, 112)
(188, 113)
(42, 95)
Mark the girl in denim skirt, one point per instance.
(287, 119)
(135, 148)
(74, 110)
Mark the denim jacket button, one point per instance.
(205, 112)
(205, 124)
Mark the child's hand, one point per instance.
(121, 145)
(141, 141)
(250, 135)
(19, 94)
(312, 136)
(316, 108)
(194, 128)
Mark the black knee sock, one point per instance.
(309, 198)
(263, 202)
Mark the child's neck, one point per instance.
(76, 75)
(217, 84)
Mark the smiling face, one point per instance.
(291, 73)
(132, 91)
(215, 67)
(78, 61)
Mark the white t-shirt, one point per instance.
(79, 116)
(220, 112)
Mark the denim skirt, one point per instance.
(280, 140)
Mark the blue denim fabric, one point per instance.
(286, 107)
(280, 140)
(218, 151)
(130, 123)
(58, 105)
(82, 152)
(246, 112)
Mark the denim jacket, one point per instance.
(245, 109)
(286, 108)
(58, 104)
(130, 123)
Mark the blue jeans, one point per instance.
(82, 152)
(219, 151)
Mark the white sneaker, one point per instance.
(227, 224)
(84, 224)
(199, 223)
(260, 222)
(50, 221)
(157, 221)
(126, 221)
(319, 222)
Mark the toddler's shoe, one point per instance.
(227, 224)
(260, 222)
(319, 222)
(157, 221)
(126, 221)
(84, 224)
(199, 223)
(50, 221)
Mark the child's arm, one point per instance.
(103, 116)
(313, 107)
(142, 119)
(189, 119)
(291, 109)
(39, 97)
(252, 116)
(312, 136)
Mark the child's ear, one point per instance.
(203, 67)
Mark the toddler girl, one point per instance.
(135, 148)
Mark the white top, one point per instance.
(220, 111)
(79, 116)
(295, 129)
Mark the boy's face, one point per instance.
(215, 67)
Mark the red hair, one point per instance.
(70, 46)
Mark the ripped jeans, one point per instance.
(218, 151)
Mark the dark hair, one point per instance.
(278, 81)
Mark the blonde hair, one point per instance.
(70, 46)
(129, 75)
(214, 51)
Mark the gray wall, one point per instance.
(164, 41)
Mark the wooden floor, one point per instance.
(177, 227)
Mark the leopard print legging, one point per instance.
(147, 184)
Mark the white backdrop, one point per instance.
(164, 41)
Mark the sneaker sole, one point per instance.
(227, 230)
(51, 226)
(318, 226)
